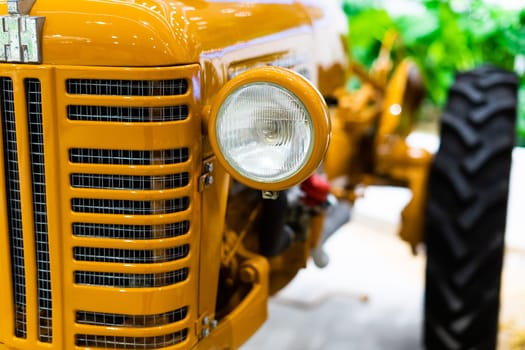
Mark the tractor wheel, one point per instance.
(466, 212)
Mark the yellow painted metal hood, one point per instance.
(156, 32)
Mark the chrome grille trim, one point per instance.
(36, 140)
(109, 87)
(14, 206)
(133, 232)
(135, 321)
(131, 280)
(129, 182)
(127, 157)
(129, 207)
(129, 256)
(128, 114)
(134, 343)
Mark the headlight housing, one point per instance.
(269, 127)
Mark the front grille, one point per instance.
(36, 139)
(128, 207)
(14, 207)
(129, 182)
(129, 256)
(118, 208)
(131, 232)
(128, 114)
(106, 87)
(124, 203)
(136, 321)
(102, 341)
(131, 280)
(127, 157)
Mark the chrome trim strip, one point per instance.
(20, 7)
(20, 34)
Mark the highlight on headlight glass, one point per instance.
(264, 132)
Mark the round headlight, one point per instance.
(270, 128)
(264, 132)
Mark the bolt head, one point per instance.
(205, 332)
(208, 167)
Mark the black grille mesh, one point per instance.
(128, 114)
(135, 343)
(129, 256)
(13, 205)
(131, 280)
(108, 87)
(133, 232)
(134, 321)
(36, 139)
(127, 157)
(129, 182)
(128, 207)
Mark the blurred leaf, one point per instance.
(416, 29)
(521, 116)
(513, 38)
(367, 29)
(479, 22)
(449, 36)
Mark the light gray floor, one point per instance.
(370, 296)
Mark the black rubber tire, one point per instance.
(466, 211)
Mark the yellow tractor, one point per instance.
(166, 166)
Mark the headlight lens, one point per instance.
(264, 132)
(268, 127)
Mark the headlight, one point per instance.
(269, 128)
(264, 132)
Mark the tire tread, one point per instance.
(466, 209)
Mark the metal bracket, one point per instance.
(273, 195)
(205, 325)
(20, 34)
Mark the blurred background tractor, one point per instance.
(459, 195)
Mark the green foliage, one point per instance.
(443, 39)
(521, 116)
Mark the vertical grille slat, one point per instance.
(14, 207)
(36, 149)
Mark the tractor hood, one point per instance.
(156, 32)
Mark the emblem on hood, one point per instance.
(20, 35)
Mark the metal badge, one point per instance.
(20, 35)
